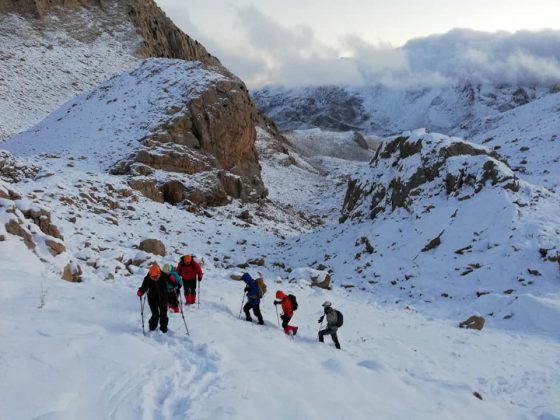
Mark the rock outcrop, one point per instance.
(421, 164)
(184, 131)
(160, 36)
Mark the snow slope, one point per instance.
(44, 64)
(107, 124)
(81, 347)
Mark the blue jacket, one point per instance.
(178, 281)
(253, 292)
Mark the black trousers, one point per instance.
(172, 297)
(332, 333)
(159, 313)
(285, 320)
(256, 310)
(190, 287)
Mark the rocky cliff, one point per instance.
(160, 36)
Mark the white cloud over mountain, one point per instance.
(273, 53)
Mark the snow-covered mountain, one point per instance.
(378, 109)
(52, 50)
(407, 241)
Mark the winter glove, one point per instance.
(246, 289)
(139, 293)
(276, 303)
(321, 319)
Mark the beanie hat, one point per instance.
(187, 259)
(327, 304)
(166, 268)
(154, 271)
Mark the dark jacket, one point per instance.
(156, 289)
(252, 289)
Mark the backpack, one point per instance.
(262, 287)
(339, 319)
(293, 301)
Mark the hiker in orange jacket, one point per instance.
(288, 310)
(190, 271)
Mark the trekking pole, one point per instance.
(198, 303)
(240, 309)
(277, 317)
(142, 313)
(181, 308)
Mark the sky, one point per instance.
(298, 42)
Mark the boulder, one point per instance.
(72, 272)
(153, 246)
(473, 323)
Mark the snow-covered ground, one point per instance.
(72, 350)
(80, 348)
(45, 63)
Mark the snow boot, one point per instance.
(174, 309)
(163, 329)
(248, 319)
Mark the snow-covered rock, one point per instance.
(165, 121)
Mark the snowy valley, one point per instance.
(406, 231)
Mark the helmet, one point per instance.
(154, 271)
(327, 304)
(187, 259)
(166, 268)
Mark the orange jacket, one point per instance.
(286, 303)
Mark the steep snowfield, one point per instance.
(81, 345)
(104, 125)
(45, 64)
(77, 350)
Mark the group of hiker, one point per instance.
(163, 288)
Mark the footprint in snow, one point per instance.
(370, 364)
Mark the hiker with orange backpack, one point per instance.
(190, 272)
(253, 299)
(155, 284)
(289, 304)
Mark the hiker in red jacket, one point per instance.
(190, 271)
(287, 308)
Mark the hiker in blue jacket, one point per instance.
(253, 299)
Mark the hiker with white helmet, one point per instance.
(334, 321)
(173, 288)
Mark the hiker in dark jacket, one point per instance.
(332, 324)
(155, 283)
(190, 271)
(253, 299)
(288, 313)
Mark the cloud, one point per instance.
(263, 52)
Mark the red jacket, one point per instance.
(189, 271)
(286, 303)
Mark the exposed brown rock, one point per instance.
(72, 273)
(153, 246)
(473, 323)
(161, 37)
(173, 192)
(147, 188)
(55, 247)
(324, 284)
(17, 229)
